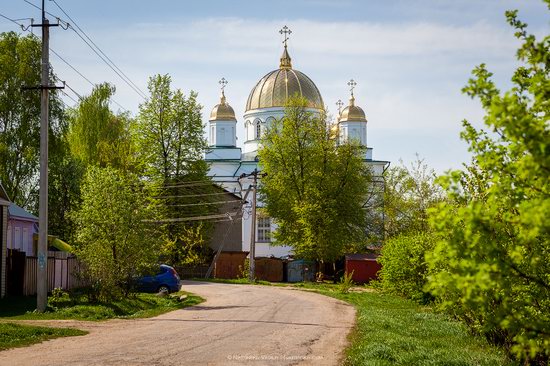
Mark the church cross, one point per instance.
(352, 84)
(223, 83)
(340, 104)
(286, 31)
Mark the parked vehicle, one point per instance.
(167, 279)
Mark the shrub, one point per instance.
(346, 283)
(404, 269)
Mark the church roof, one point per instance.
(352, 113)
(222, 111)
(274, 89)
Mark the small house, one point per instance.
(4, 204)
(22, 226)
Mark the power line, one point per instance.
(60, 57)
(84, 77)
(111, 64)
(193, 218)
(202, 203)
(192, 195)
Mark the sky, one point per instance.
(410, 58)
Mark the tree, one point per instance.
(313, 187)
(65, 174)
(115, 239)
(169, 134)
(493, 264)
(409, 192)
(20, 116)
(97, 136)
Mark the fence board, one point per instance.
(62, 273)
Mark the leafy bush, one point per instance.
(346, 283)
(496, 247)
(114, 240)
(404, 269)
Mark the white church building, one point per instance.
(265, 104)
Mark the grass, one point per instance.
(15, 335)
(78, 307)
(391, 330)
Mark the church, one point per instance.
(229, 163)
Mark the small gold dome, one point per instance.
(334, 131)
(274, 89)
(222, 111)
(352, 112)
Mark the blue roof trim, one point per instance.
(16, 211)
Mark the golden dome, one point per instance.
(274, 89)
(222, 111)
(352, 112)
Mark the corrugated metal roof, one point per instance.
(17, 211)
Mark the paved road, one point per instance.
(238, 324)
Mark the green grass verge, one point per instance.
(15, 335)
(78, 307)
(391, 330)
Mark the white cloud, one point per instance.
(409, 74)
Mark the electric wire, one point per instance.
(104, 58)
(84, 77)
(122, 75)
(62, 59)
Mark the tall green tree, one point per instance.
(97, 136)
(170, 133)
(493, 265)
(171, 144)
(409, 192)
(115, 239)
(313, 187)
(20, 116)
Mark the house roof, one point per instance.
(16, 211)
(4, 199)
(362, 257)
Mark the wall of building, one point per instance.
(3, 248)
(20, 235)
(231, 230)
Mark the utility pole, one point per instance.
(252, 189)
(42, 272)
(252, 275)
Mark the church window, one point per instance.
(258, 130)
(263, 229)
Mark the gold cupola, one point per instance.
(222, 111)
(274, 89)
(352, 113)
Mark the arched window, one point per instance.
(258, 129)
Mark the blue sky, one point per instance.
(409, 58)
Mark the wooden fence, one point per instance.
(63, 272)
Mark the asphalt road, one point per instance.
(238, 324)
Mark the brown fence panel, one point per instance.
(15, 266)
(31, 267)
(192, 271)
(62, 273)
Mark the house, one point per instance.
(22, 225)
(4, 204)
